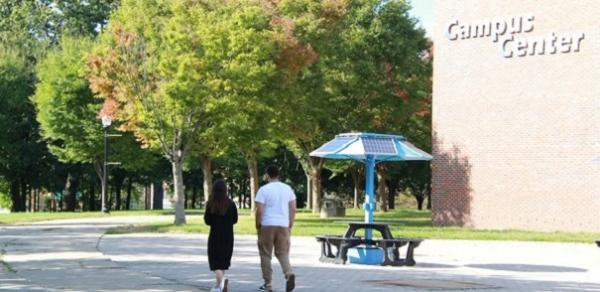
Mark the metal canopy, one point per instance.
(381, 147)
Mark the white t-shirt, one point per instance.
(275, 196)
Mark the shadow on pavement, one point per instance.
(528, 268)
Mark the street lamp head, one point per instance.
(106, 121)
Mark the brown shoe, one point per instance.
(224, 285)
(290, 284)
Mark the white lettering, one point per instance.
(516, 24)
(521, 47)
(506, 49)
(449, 33)
(465, 32)
(508, 31)
(565, 44)
(579, 36)
(498, 29)
(552, 40)
(528, 27)
(536, 45)
(482, 29)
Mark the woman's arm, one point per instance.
(235, 213)
(207, 216)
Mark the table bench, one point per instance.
(342, 244)
(390, 245)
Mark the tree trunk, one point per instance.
(207, 177)
(147, 190)
(194, 195)
(177, 164)
(253, 173)
(241, 195)
(129, 193)
(429, 196)
(157, 194)
(392, 187)
(243, 190)
(31, 199)
(23, 197)
(37, 200)
(309, 190)
(382, 189)
(316, 168)
(420, 198)
(92, 196)
(392, 198)
(185, 197)
(356, 183)
(34, 195)
(119, 179)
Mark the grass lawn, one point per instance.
(12, 218)
(403, 223)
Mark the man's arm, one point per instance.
(258, 215)
(292, 206)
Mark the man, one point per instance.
(275, 215)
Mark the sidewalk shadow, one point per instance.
(528, 268)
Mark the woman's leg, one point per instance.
(219, 275)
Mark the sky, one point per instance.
(423, 11)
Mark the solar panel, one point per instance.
(379, 145)
(335, 144)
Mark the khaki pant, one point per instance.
(270, 237)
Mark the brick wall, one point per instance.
(517, 140)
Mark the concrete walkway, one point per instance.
(72, 255)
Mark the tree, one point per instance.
(22, 154)
(124, 72)
(83, 17)
(27, 25)
(247, 55)
(67, 111)
(28, 28)
(309, 31)
(159, 63)
(363, 70)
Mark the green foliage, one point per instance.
(245, 49)
(68, 110)
(5, 201)
(16, 114)
(368, 73)
(23, 156)
(32, 25)
(83, 17)
(26, 25)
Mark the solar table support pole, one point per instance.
(369, 205)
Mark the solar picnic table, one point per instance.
(370, 149)
(384, 250)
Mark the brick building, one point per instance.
(516, 114)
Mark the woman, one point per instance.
(220, 214)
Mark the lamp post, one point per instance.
(106, 122)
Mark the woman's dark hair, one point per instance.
(218, 202)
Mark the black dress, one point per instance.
(220, 238)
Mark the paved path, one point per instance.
(72, 255)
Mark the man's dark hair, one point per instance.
(272, 171)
